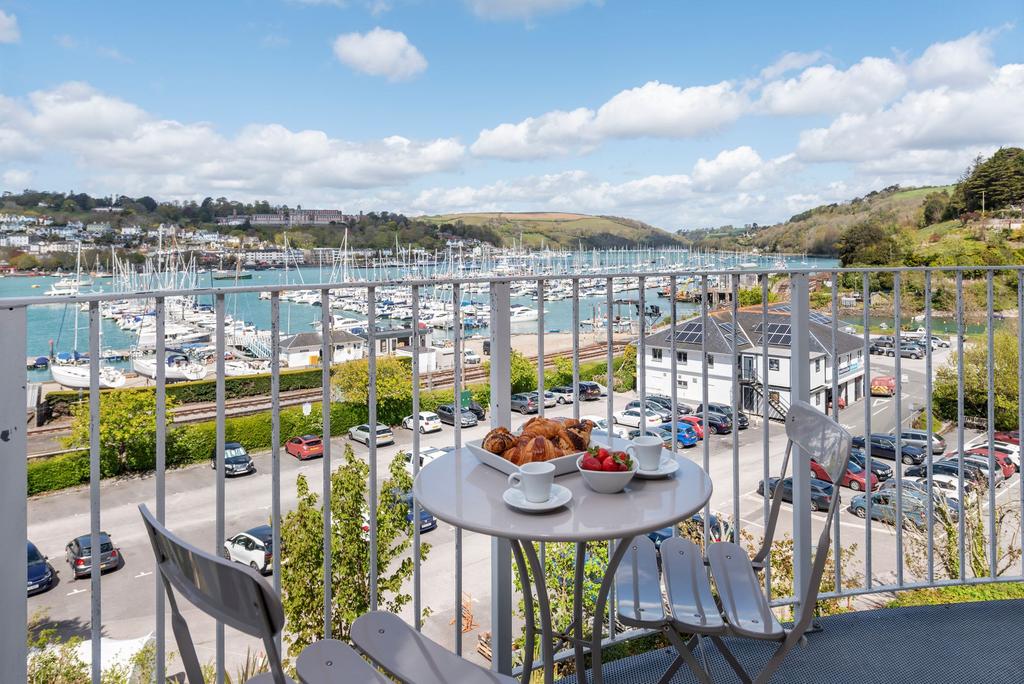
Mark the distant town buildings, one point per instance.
(290, 217)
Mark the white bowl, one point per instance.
(607, 482)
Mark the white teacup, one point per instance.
(534, 480)
(647, 451)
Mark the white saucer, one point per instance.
(667, 466)
(515, 498)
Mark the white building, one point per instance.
(747, 363)
(277, 257)
(303, 349)
(14, 240)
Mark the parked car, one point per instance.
(884, 446)
(718, 424)
(563, 394)
(237, 460)
(883, 508)
(429, 422)
(589, 391)
(633, 417)
(426, 456)
(854, 477)
(41, 575)
(477, 409)
(742, 422)
(524, 403)
(920, 438)
(471, 358)
(1009, 449)
(1002, 459)
(949, 485)
(601, 388)
(685, 435)
(1009, 436)
(882, 471)
(427, 520)
(549, 398)
(254, 547)
(664, 414)
(949, 466)
(878, 348)
(718, 530)
(660, 399)
(305, 447)
(696, 423)
(446, 413)
(1002, 467)
(78, 554)
(883, 386)
(361, 433)
(602, 428)
(821, 491)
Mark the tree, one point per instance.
(302, 552)
(944, 395)
(751, 296)
(127, 429)
(868, 243)
(934, 208)
(351, 382)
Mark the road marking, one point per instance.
(143, 574)
(77, 591)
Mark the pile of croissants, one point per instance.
(541, 439)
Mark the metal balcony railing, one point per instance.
(882, 568)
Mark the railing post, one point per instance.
(501, 414)
(13, 485)
(800, 389)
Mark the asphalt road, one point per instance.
(128, 593)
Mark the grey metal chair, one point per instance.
(411, 657)
(238, 596)
(742, 609)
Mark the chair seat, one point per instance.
(411, 657)
(637, 589)
(331, 661)
(744, 603)
(690, 599)
(267, 678)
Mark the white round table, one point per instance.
(462, 491)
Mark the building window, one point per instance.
(682, 384)
(681, 357)
(817, 365)
(817, 399)
(656, 354)
(773, 364)
(710, 361)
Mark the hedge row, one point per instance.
(197, 442)
(60, 402)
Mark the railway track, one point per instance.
(194, 413)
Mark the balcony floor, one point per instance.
(961, 643)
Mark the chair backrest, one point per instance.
(232, 593)
(825, 440)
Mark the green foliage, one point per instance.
(869, 243)
(944, 395)
(934, 208)
(625, 374)
(751, 296)
(561, 374)
(351, 383)
(1000, 179)
(967, 593)
(302, 552)
(524, 373)
(58, 472)
(127, 430)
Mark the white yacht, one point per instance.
(520, 314)
(179, 367)
(76, 376)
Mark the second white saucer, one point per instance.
(559, 497)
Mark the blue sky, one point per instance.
(681, 114)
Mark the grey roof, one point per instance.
(306, 340)
(749, 333)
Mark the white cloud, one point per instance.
(959, 63)
(866, 85)
(651, 110)
(520, 9)
(66, 41)
(741, 168)
(15, 179)
(9, 32)
(380, 52)
(791, 61)
(121, 144)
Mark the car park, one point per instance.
(884, 446)
(950, 466)
(549, 398)
(602, 428)
(949, 485)
(237, 460)
(361, 433)
(696, 422)
(254, 547)
(883, 508)
(523, 403)
(633, 417)
(881, 470)
(854, 477)
(664, 414)
(920, 438)
(429, 422)
(742, 422)
(1009, 449)
(718, 424)
(718, 530)
(601, 388)
(1008, 436)
(660, 399)
(685, 435)
(821, 491)
(476, 408)
(446, 413)
(426, 456)
(563, 394)
(589, 391)
(471, 358)
(999, 473)
(78, 554)
(305, 447)
(41, 574)
(427, 520)
(1002, 459)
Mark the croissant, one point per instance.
(538, 449)
(499, 440)
(541, 427)
(579, 437)
(563, 441)
(513, 455)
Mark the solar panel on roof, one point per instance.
(690, 333)
(820, 318)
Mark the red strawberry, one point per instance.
(603, 453)
(610, 465)
(591, 463)
(622, 462)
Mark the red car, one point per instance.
(696, 423)
(1002, 460)
(305, 447)
(1012, 437)
(852, 478)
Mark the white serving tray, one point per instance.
(564, 465)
